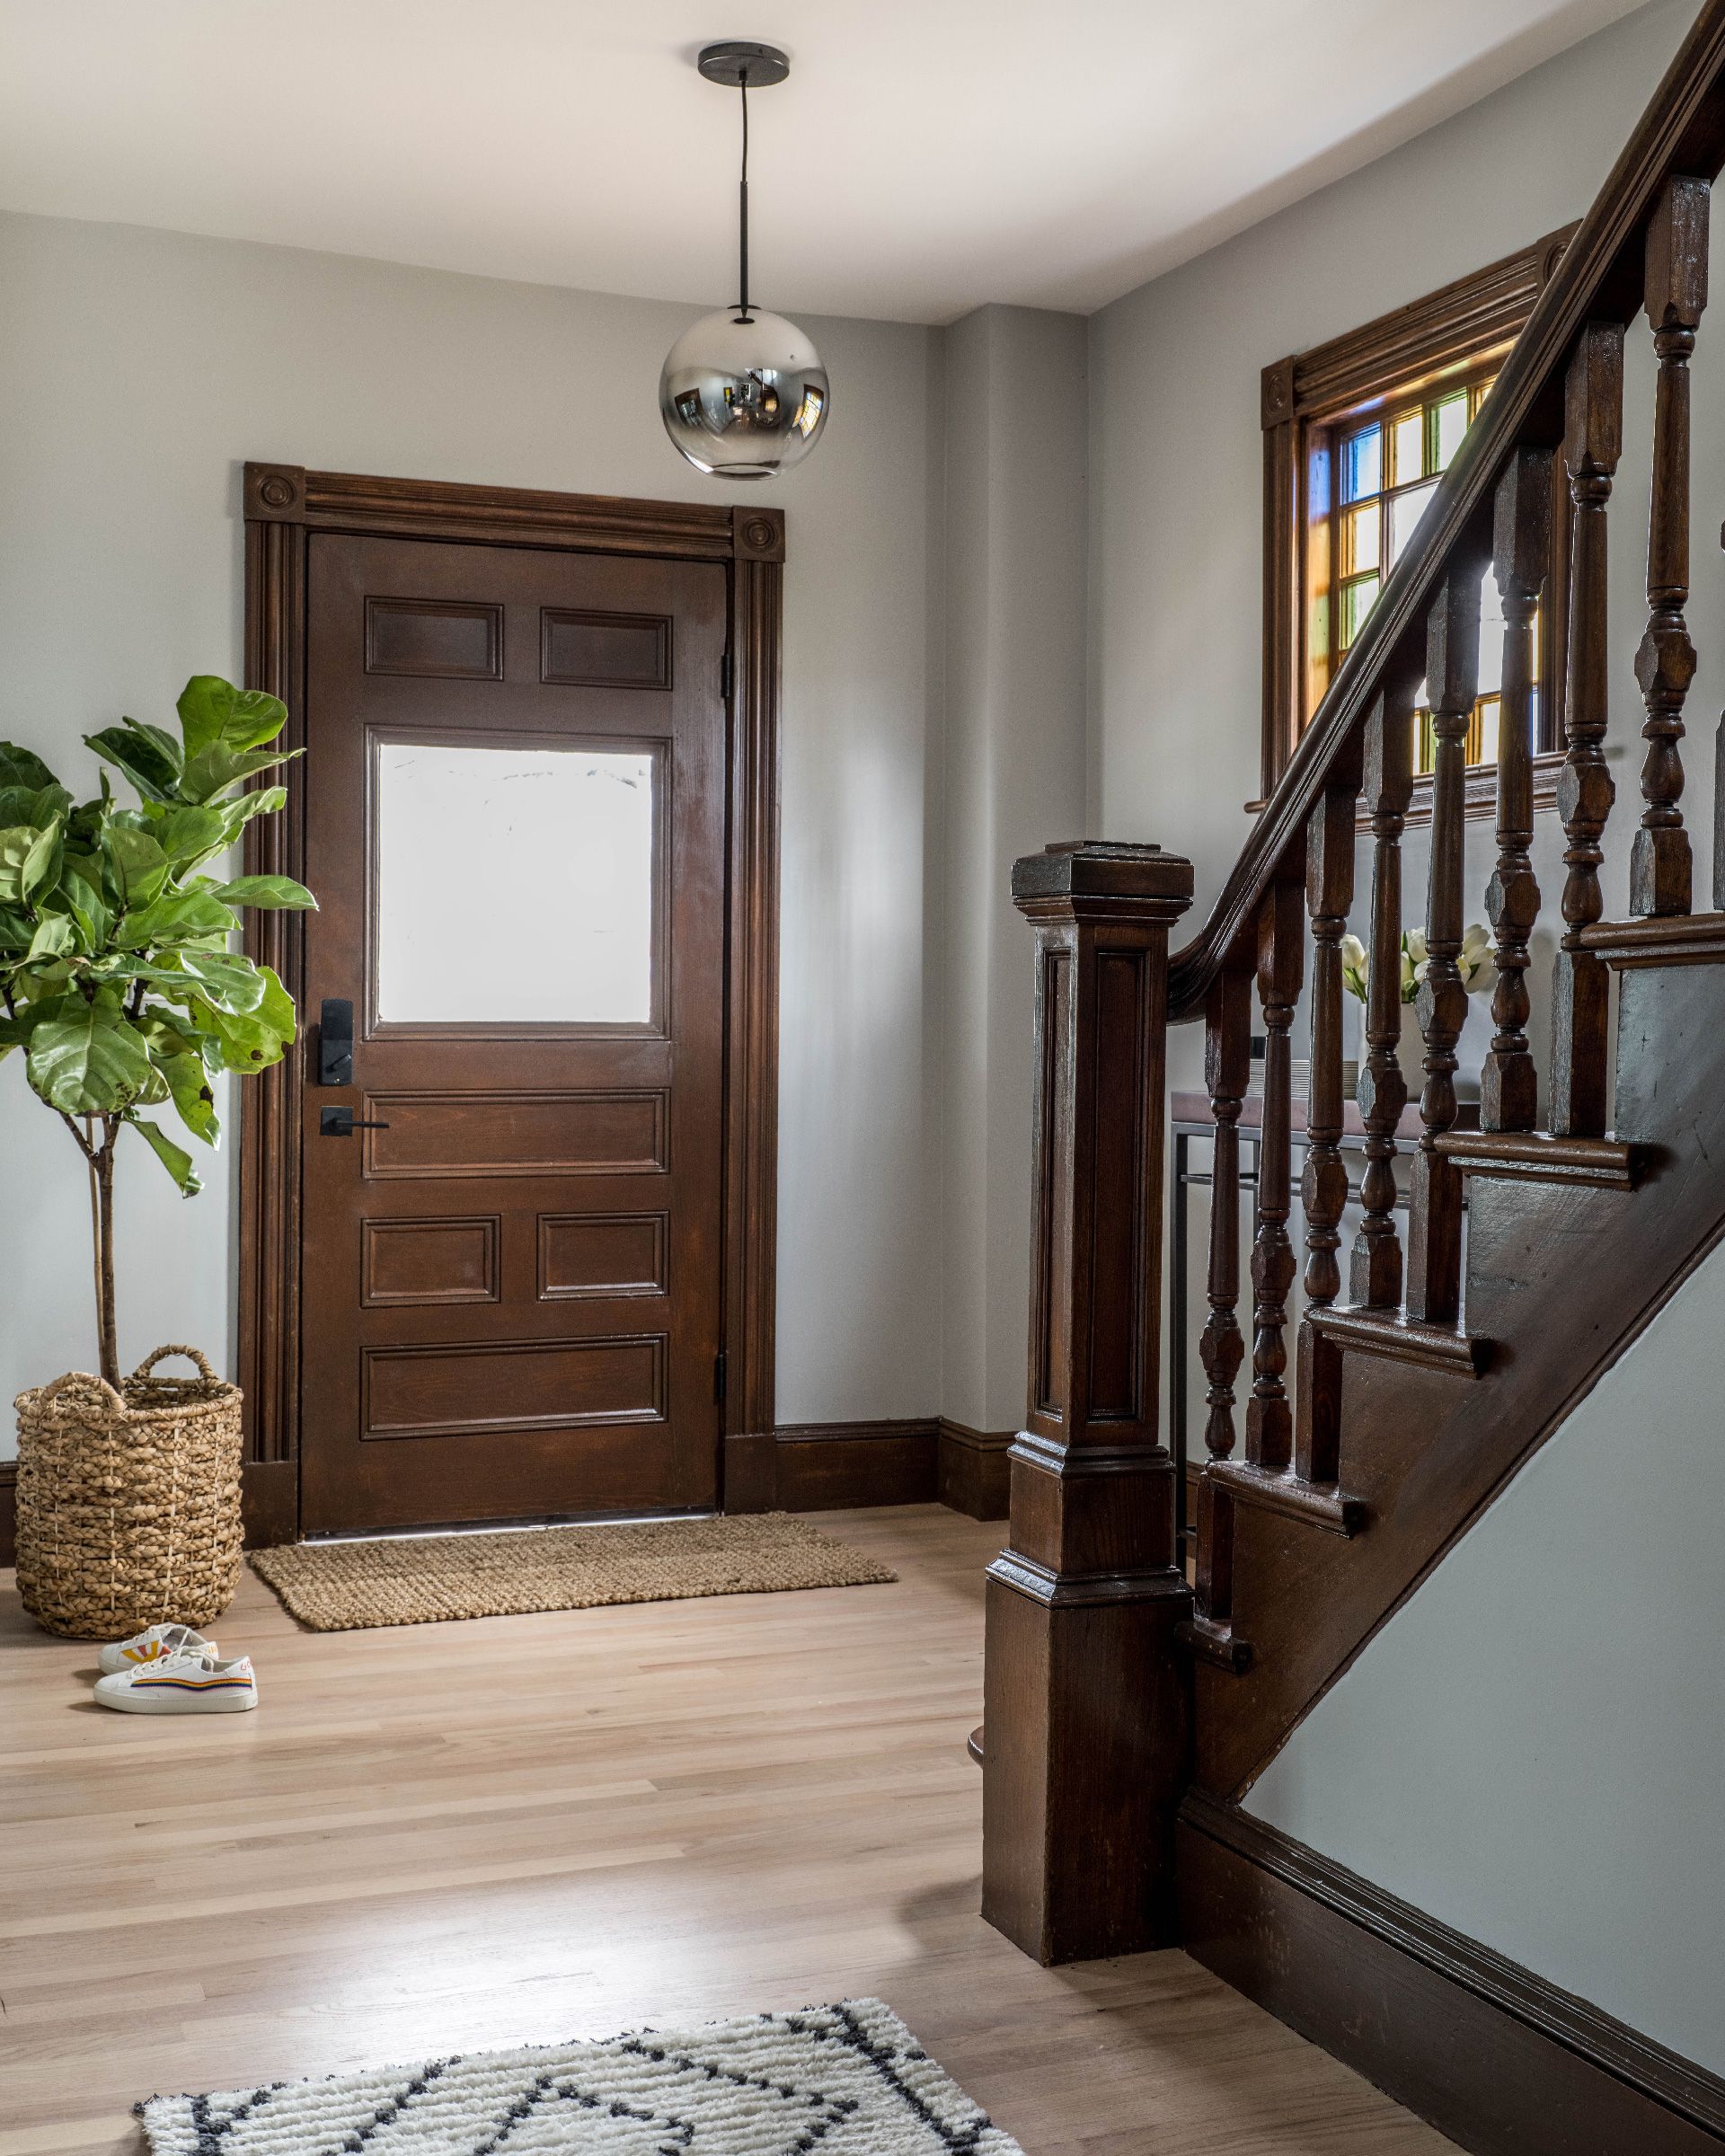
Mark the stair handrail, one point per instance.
(1598, 277)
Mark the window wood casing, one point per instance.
(1450, 337)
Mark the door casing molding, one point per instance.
(284, 505)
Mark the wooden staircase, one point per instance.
(1344, 1461)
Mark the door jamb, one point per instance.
(284, 505)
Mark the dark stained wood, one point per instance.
(1374, 1273)
(831, 1466)
(1281, 961)
(1323, 1182)
(284, 505)
(1563, 1273)
(1493, 2055)
(1445, 333)
(1521, 555)
(1659, 873)
(1435, 1193)
(1227, 1069)
(479, 1394)
(1078, 1798)
(1682, 130)
(975, 1476)
(8, 1512)
(1592, 444)
(269, 1502)
(1531, 1156)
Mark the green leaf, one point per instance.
(232, 983)
(213, 711)
(36, 805)
(28, 859)
(16, 930)
(188, 1082)
(90, 1062)
(215, 769)
(19, 767)
(249, 1041)
(177, 1161)
(188, 836)
(151, 768)
(181, 917)
(15, 1032)
(93, 916)
(139, 865)
(279, 891)
(55, 937)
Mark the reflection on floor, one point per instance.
(441, 1837)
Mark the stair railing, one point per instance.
(1070, 1808)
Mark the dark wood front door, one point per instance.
(515, 798)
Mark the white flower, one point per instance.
(1354, 976)
(1413, 942)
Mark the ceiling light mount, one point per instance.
(743, 392)
(738, 64)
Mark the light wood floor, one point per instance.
(446, 1837)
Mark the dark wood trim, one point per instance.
(1490, 2054)
(284, 505)
(832, 1466)
(8, 1512)
(974, 1477)
(269, 1502)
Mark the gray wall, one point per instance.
(1014, 779)
(1524, 1750)
(1533, 1748)
(138, 369)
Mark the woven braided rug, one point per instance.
(844, 2080)
(425, 1579)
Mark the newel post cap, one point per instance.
(1125, 879)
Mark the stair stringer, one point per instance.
(1561, 1279)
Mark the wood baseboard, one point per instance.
(1499, 2059)
(8, 1512)
(269, 1502)
(831, 1466)
(974, 1475)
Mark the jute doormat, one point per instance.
(848, 2079)
(423, 1579)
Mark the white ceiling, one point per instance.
(926, 156)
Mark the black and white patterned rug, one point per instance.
(842, 2081)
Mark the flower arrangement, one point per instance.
(1475, 963)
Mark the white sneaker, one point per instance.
(188, 1683)
(152, 1644)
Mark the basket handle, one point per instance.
(85, 1380)
(192, 1355)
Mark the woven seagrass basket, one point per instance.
(128, 1508)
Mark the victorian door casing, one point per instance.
(515, 824)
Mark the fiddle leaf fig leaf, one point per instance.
(148, 759)
(19, 767)
(213, 711)
(230, 984)
(139, 865)
(278, 891)
(172, 1157)
(179, 917)
(90, 1062)
(215, 769)
(55, 937)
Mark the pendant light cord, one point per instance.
(743, 314)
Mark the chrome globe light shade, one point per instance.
(743, 392)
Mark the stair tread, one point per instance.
(1281, 1489)
(1536, 1156)
(1659, 940)
(1388, 1332)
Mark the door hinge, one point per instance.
(719, 1376)
(724, 676)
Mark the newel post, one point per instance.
(1087, 1725)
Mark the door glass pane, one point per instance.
(513, 883)
(1361, 465)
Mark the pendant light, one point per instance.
(743, 393)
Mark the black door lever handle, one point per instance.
(342, 1123)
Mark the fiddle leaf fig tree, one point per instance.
(119, 985)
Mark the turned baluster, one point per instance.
(1281, 960)
(1677, 292)
(1434, 1197)
(1592, 444)
(1375, 1271)
(1323, 1185)
(1521, 549)
(1228, 1067)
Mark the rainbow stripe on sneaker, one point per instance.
(173, 1683)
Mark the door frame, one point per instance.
(284, 505)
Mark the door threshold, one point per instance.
(519, 1527)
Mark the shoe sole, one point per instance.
(132, 1704)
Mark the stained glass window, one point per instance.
(1389, 470)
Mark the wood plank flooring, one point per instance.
(445, 1837)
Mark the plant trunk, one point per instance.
(102, 1170)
